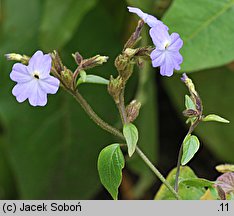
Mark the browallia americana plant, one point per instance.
(42, 74)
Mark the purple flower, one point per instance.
(166, 55)
(34, 81)
(147, 18)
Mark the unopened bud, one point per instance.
(57, 63)
(133, 110)
(124, 66)
(135, 37)
(93, 62)
(67, 78)
(17, 57)
(78, 57)
(189, 83)
(190, 113)
(195, 97)
(115, 87)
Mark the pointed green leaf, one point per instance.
(92, 79)
(213, 117)
(197, 182)
(131, 135)
(190, 147)
(110, 165)
(189, 104)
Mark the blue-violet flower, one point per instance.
(166, 55)
(34, 81)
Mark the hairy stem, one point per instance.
(88, 109)
(157, 173)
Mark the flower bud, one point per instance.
(133, 110)
(17, 57)
(114, 88)
(67, 78)
(190, 113)
(57, 63)
(78, 58)
(93, 62)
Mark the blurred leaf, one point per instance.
(60, 21)
(143, 5)
(214, 87)
(131, 135)
(207, 30)
(223, 168)
(210, 194)
(213, 117)
(190, 147)
(186, 192)
(110, 165)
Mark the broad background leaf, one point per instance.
(60, 21)
(207, 30)
(186, 192)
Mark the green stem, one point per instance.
(88, 109)
(157, 173)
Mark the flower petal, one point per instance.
(160, 37)
(176, 42)
(148, 19)
(37, 97)
(22, 91)
(157, 57)
(50, 85)
(167, 67)
(177, 59)
(40, 63)
(20, 73)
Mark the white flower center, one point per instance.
(166, 44)
(36, 75)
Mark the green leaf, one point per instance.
(190, 147)
(186, 192)
(197, 182)
(213, 117)
(60, 20)
(143, 5)
(215, 87)
(131, 135)
(208, 41)
(92, 79)
(110, 165)
(189, 104)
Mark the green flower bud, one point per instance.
(114, 88)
